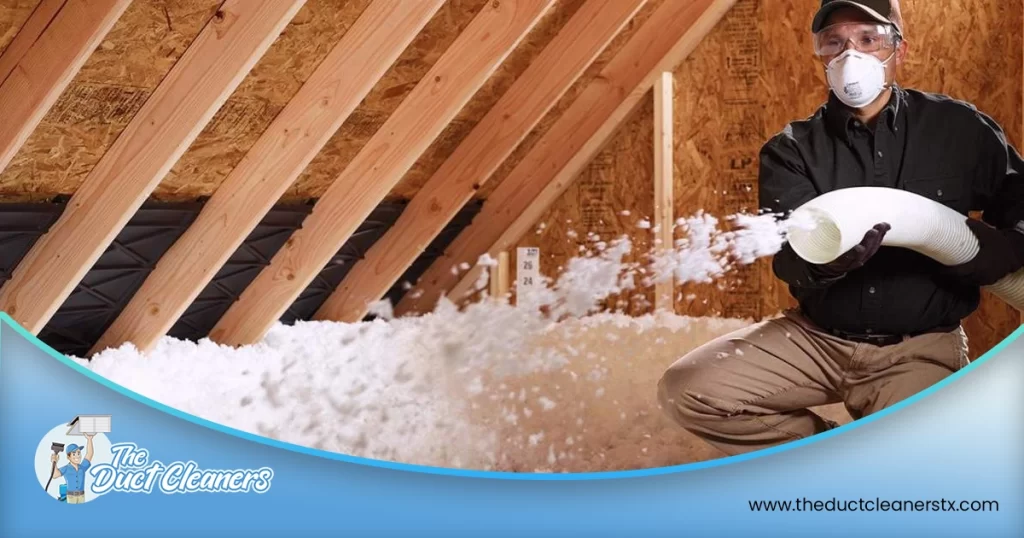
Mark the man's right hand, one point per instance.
(857, 256)
(54, 457)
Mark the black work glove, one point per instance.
(1000, 252)
(856, 257)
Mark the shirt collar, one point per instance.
(840, 117)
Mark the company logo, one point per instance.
(853, 89)
(77, 463)
(67, 452)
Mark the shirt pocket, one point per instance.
(948, 190)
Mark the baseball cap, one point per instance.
(881, 10)
(72, 447)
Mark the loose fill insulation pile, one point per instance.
(497, 387)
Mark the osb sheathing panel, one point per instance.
(92, 113)
(432, 42)
(507, 73)
(616, 191)
(411, 67)
(751, 75)
(273, 81)
(581, 84)
(394, 86)
(59, 157)
(95, 110)
(13, 14)
(100, 101)
(599, 202)
(718, 132)
(319, 27)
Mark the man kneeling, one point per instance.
(880, 323)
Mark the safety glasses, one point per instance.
(865, 37)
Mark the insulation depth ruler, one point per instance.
(528, 278)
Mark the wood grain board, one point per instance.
(40, 62)
(227, 48)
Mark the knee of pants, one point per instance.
(686, 393)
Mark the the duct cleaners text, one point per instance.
(132, 472)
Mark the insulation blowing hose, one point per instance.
(51, 476)
(824, 228)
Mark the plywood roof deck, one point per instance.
(153, 34)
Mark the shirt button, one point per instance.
(879, 153)
(868, 331)
(871, 289)
(939, 192)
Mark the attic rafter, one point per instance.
(213, 66)
(474, 56)
(297, 134)
(42, 60)
(508, 122)
(663, 41)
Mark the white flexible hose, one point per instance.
(826, 227)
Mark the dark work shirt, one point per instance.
(929, 144)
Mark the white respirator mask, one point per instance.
(856, 78)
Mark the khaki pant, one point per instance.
(751, 389)
(76, 499)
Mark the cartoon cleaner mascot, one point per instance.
(74, 471)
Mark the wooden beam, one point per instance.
(663, 41)
(493, 282)
(42, 60)
(433, 103)
(277, 159)
(198, 84)
(500, 277)
(664, 292)
(43, 20)
(508, 122)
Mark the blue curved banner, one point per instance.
(948, 462)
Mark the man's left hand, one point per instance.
(89, 435)
(1000, 252)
